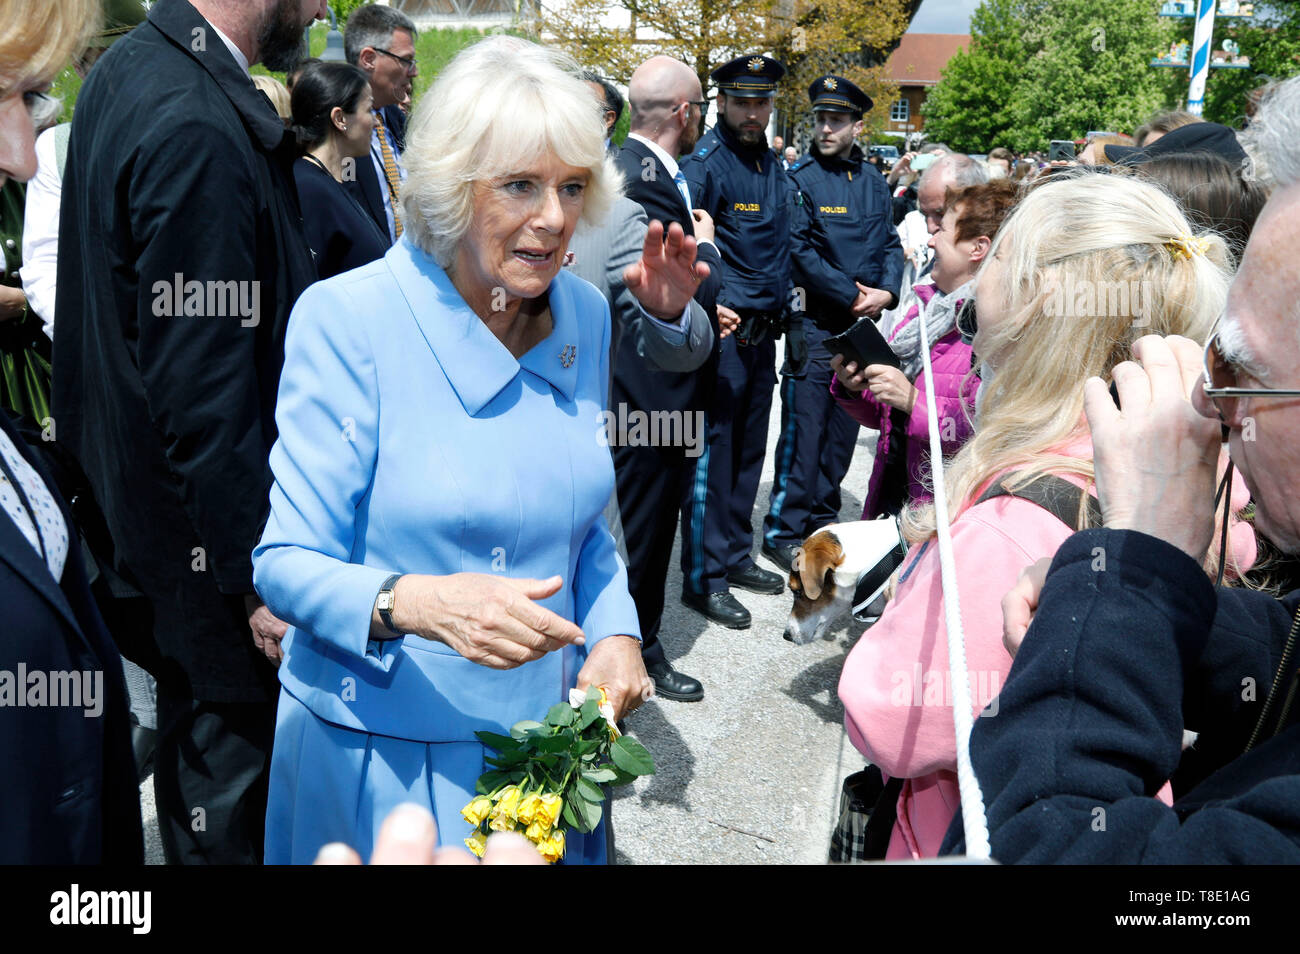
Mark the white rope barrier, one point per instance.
(974, 820)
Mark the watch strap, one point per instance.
(385, 612)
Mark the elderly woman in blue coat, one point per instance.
(436, 539)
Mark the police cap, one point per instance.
(836, 94)
(752, 76)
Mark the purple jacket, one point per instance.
(950, 361)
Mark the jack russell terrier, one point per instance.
(843, 567)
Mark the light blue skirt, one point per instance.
(330, 784)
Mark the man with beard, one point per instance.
(381, 42)
(169, 337)
(735, 178)
(849, 262)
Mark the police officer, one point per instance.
(735, 177)
(848, 263)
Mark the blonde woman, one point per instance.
(1039, 339)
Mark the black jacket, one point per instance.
(750, 198)
(1130, 645)
(70, 794)
(184, 255)
(342, 235)
(637, 382)
(843, 233)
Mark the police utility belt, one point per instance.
(757, 326)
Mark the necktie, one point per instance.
(680, 179)
(390, 173)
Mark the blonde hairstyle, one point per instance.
(499, 106)
(1110, 139)
(39, 37)
(1104, 233)
(278, 94)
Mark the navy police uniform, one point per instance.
(750, 198)
(843, 234)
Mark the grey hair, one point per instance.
(1235, 349)
(372, 26)
(1272, 136)
(499, 106)
(964, 170)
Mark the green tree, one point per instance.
(1040, 70)
(1272, 41)
(1092, 71)
(810, 37)
(970, 108)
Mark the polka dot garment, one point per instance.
(52, 529)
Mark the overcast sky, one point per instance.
(944, 16)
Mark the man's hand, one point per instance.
(891, 386)
(728, 321)
(614, 664)
(12, 302)
(1021, 602)
(870, 301)
(1155, 459)
(665, 279)
(703, 225)
(267, 629)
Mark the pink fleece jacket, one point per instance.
(955, 388)
(896, 686)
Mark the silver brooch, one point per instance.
(567, 355)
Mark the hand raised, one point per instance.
(666, 277)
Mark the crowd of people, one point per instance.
(340, 428)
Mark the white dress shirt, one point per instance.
(41, 232)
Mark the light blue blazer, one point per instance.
(411, 441)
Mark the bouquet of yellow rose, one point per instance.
(547, 776)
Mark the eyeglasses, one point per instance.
(1221, 382)
(702, 103)
(407, 61)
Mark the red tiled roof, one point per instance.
(920, 57)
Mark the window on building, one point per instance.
(898, 113)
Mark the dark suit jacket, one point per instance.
(341, 235)
(367, 187)
(171, 410)
(70, 794)
(649, 184)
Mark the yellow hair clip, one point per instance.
(1185, 246)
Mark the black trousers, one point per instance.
(813, 453)
(210, 778)
(652, 488)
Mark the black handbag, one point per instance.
(868, 810)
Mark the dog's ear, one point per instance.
(816, 559)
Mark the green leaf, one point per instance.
(502, 743)
(568, 814)
(587, 790)
(554, 743)
(601, 775)
(521, 730)
(590, 713)
(587, 813)
(490, 781)
(561, 714)
(632, 757)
